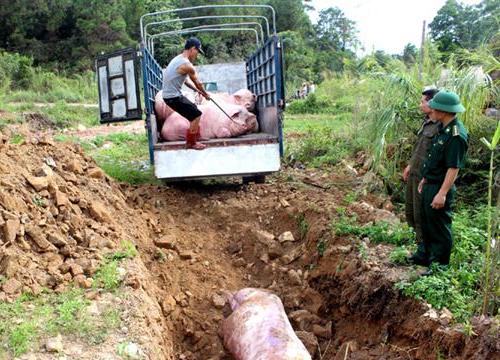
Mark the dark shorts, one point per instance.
(184, 107)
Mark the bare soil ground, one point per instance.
(60, 214)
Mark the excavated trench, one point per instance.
(341, 304)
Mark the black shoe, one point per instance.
(417, 260)
(428, 272)
(435, 269)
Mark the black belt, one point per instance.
(433, 182)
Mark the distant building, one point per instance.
(229, 77)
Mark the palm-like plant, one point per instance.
(491, 262)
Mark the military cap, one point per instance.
(446, 101)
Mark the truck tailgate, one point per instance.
(245, 155)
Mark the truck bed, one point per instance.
(247, 139)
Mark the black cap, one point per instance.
(429, 92)
(194, 42)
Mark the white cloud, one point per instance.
(386, 24)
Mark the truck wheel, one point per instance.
(258, 179)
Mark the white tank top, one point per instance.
(172, 80)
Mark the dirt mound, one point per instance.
(60, 215)
(38, 121)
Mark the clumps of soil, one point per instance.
(38, 121)
(60, 216)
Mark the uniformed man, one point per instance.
(444, 159)
(412, 172)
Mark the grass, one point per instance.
(381, 232)
(17, 139)
(21, 80)
(107, 276)
(318, 139)
(455, 287)
(25, 323)
(127, 251)
(126, 159)
(38, 201)
(301, 123)
(59, 115)
(321, 247)
(303, 225)
(398, 255)
(38, 317)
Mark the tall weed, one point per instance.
(457, 287)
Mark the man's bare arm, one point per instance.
(191, 72)
(449, 180)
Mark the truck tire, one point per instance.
(258, 179)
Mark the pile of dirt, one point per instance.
(59, 215)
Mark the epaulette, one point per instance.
(455, 130)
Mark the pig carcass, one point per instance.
(258, 328)
(213, 123)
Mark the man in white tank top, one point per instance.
(179, 68)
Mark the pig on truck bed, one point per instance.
(213, 123)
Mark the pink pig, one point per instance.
(258, 328)
(213, 124)
(242, 97)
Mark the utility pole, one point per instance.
(421, 64)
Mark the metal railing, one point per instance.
(168, 21)
(164, 12)
(209, 28)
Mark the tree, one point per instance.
(382, 58)
(459, 26)
(334, 31)
(291, 16)
(100, 27)
(410, 54)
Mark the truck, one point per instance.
(251, 156)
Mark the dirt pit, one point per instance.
(60, 216)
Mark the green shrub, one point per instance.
(381, 232)
(457, 287)
(16, 70)
(312, 104)
(321, 146)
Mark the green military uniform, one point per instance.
(448, 150)
(413, 198)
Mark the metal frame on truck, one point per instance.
(255, 154)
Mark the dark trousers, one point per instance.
(436, 226)
(413, 207)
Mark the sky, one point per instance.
(386, 24)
